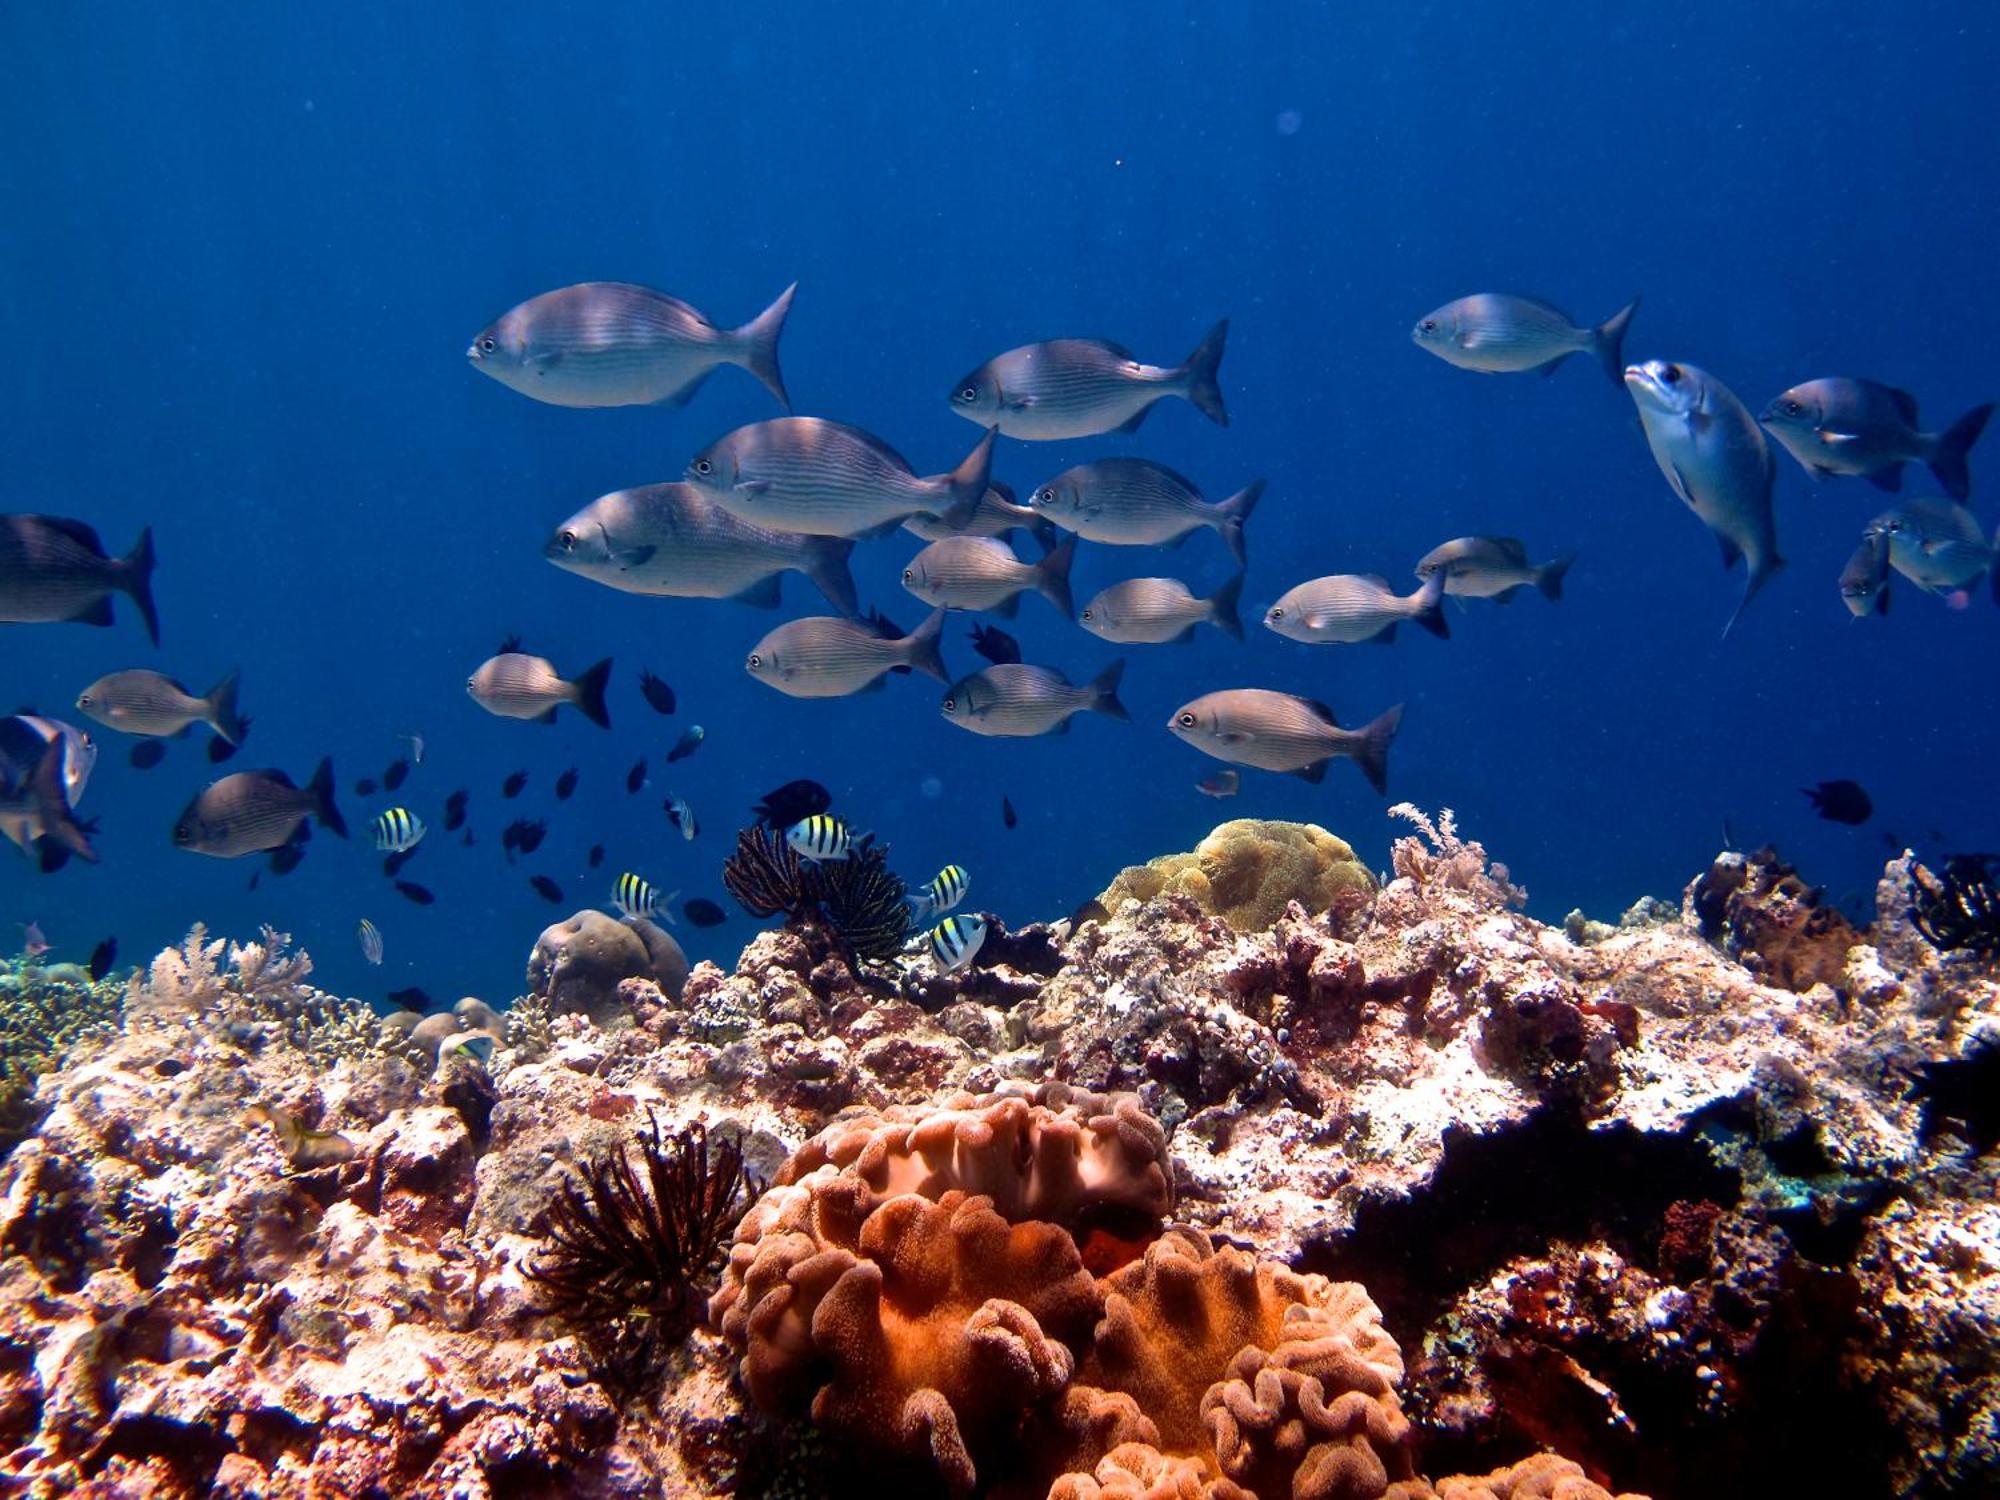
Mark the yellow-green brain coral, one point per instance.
(1247, 870)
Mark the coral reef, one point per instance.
(44, 1013)
(859, 903)
(1247, 871)
(579, 963)
(1961, 908)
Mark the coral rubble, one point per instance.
(1264, 1183)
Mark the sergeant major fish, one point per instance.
(252, 811)
(955, 942)
(1714, 455)
(976, 572)
(1843, 426)
(515, 685)
(1493, 567)
(52, 568)
(398, 831)
(821, 838)
(822, 657)
(1133, 502)
(807, 474)
(1350, 607)
(946, 889)
(1015, 700)
(1282, 732)
(1067, 388)
(609, 343)
(673, 541)
(145, 702)
(1152, 611)
(1498, 334)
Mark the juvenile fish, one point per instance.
(1150, 611)
(1843, 426)
(1498, 334)
(145, 702)
(1864, 582)
(1350, 607)
(995, 644)
(1015, 700)
(687, 744)
(514, 685)
(1493, 567)
(1715, 457)
(955, 942)
(971, 572)
(635, 778)
(997, 514)
(807, 474)
(514, 784)
(250, 812)
(609, 343)
(1066, 388)
(674, 541)
(547, 889)
(52, 568)
(824, 657)
(1281, 732)
(411, 891)
(1133, 502)
(659, 695)
(370, 938)
(396, 773)
(566, 784)
(682, 817)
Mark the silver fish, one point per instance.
(609, 343)
(44, 767)
(673, 541)
(515, 685)
(52, 568)
(145, 702)
(1498, 334)
(681, 815)
(1936, 544)
(1493, 567)
(1715, 457)
(807, 474)
(1133, 502)
(1843, 426)
(1349, 607)
(1066, 388)
(823, 657)
(1864, 582)
(997, 514)
(252, 811)
(370, 938)
(1151, 611)
(1014, 699)
(981, 572)
(1282, 732)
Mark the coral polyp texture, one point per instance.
(1360, 1186)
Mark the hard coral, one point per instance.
(42, 1017)
(1248, 870)
(858, 901)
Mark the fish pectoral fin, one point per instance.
(634, 557)
(1681, 485)
(763, 594)
(1315, 773)
(1232, 736)
(546, 360)
(1016, 403)
(1835, 439)
(1132, 423)
(1731, 553)
(97, 612)
(751, 486)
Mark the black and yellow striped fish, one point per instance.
(820, 837)
(398, 830)
(944, 892)
(635, 897)
(955, 941)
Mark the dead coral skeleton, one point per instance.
(1436, 857)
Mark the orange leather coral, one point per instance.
(1542, 1476)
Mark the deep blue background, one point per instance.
(242, 252)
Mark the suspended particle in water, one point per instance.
(932, 787)
(1289, 121)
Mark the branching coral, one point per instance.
(630, 1247)
(530, 1027)
(1437, 856)
(859, 901)
(41, 1017)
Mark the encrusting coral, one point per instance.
(1247, 871)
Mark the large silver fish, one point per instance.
(997, 514)
(1282, 732)
(252, 811)
(145, 702)
(1864, 582)
(1843, 426)
(44, 766)
(1013, 699)
(808, 474)
(1493, 567)
(1067, 388)
(824, 657)
(1348, 607)
(609, 343)
(982, 572)
(1936, 544)
(1498, 334)
(1153, 611)
(1715, 457)
(672, 540)
(52, 568)
(1133, 502)
(514, 685)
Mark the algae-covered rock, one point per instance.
(1247, 870)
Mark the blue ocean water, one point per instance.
(242, 251)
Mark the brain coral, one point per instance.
(1247, 870)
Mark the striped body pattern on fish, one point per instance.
(398, 831)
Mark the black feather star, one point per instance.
(1961, 908)
(858, 901)
(632, 1247)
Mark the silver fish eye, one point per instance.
(568, 540)
(1670, 374)
(1794, 409)
(1429, 325)
(1187, 721)
(1089, 613)
(909, 575)
(1046, 495)
(756, 660)
(487, 345)
(950, 704)
(83, 701)
(969, 394)
(703, 466)
(1277, 613)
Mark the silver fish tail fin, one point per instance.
(1222, 608)
(590, 694)
(1104, 691)
(1549, 577)
(1759, 574)
(1052, 576)
(965, 486)
(1430, 605)
(1371, 749)
(1199, 370)
(1948, 461)
(923, 647)
(1232, 513)
(222, 715)
(1607, 342)
(137, 581)
(825, 563)
(320, 789)
(759, 342)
